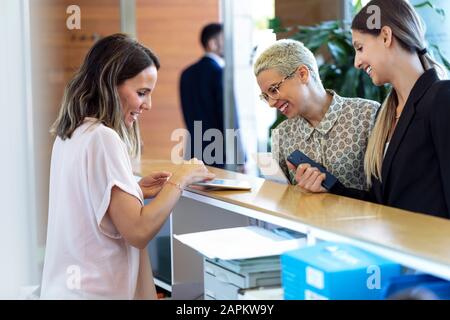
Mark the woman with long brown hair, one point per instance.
(408, 154)
(98, 225)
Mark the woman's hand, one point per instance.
(308, 178)
(190, 172)
(152, 184)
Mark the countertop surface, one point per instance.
(411, 233)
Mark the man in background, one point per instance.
(201, 93)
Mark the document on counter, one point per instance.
(239, 243)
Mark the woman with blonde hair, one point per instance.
(98, 225)
(408, 155)
(320, 123)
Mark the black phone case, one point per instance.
(297, 157)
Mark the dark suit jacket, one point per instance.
(416, 167)
(201, 92)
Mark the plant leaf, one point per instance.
(350, 83)
(275, 25)
(313, 43)
(438, 10)
(444, 60)
(340, 50)
(357, 7)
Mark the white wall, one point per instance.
(17, 212)
(255, 117)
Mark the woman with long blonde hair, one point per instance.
(98, 225)
(408, 155)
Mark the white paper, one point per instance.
(239, 243)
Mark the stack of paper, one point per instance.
(239, 243)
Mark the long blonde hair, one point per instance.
(408, 29)
(92, 92)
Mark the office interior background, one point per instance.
(39, 54)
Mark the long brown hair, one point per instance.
(409, 31)
(92, 92)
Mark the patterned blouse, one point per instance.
(338, 142)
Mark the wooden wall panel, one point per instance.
(306, 12)
(171, 28)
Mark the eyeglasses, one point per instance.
(274, 90)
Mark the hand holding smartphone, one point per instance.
(297, 157)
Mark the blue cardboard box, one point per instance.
(335, 271)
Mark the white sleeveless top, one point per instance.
(86, 257)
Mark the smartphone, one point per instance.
(225, 184)
(297, 157)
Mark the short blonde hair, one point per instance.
(284, 56)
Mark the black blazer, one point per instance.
(416, 167)
(201, 93)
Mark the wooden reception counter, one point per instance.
(416, 241)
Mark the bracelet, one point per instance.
(178, 185)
